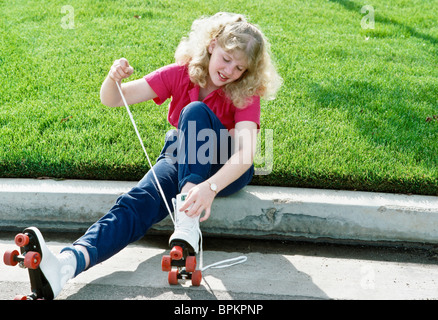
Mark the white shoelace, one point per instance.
(216, 265)
(144, 150)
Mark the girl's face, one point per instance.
(225, 67)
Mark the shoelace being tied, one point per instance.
(216, 265)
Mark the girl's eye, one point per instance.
(227, 60)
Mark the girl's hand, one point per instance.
(201, 196)
(120, 70)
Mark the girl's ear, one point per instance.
(212, 45)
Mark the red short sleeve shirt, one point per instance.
(173, 81)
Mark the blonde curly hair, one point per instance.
(233, 32)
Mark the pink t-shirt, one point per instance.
(174, 81)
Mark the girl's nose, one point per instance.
(229, 70)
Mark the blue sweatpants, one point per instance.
(186, 157)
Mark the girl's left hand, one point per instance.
(201, 196)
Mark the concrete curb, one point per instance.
(255, 212)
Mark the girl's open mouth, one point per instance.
(222, 77)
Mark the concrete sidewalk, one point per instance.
(273, 271)
(255, 212)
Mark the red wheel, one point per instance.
(166, 263)
(173, 277)
(196, 278)
(176, 253)
(9, 257)
(32, 260)
(18, 297)
(191, 263)
(21, 239)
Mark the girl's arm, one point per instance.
(201, 195)
(135, 91)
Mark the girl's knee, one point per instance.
(194, 111)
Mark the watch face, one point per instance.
(213, 187)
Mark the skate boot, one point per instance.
(184, 244)
(47, 273)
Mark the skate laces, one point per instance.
(216, 265)
(182, 221)
(194, 227)
(144, 150)
(220, 264)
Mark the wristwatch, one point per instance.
(213, 186)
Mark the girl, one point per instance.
(221, 71)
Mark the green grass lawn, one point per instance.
(356, 110)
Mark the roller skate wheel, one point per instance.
(21, 239)
(32, 260)
(9, 257)
(173, 277)
(166, 263)
(196, 278)
(190, 263)
(176, 253)
(20, 297)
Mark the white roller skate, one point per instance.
(47, 272)
(185, 244)
(186, 228)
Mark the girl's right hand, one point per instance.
(120, 70)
